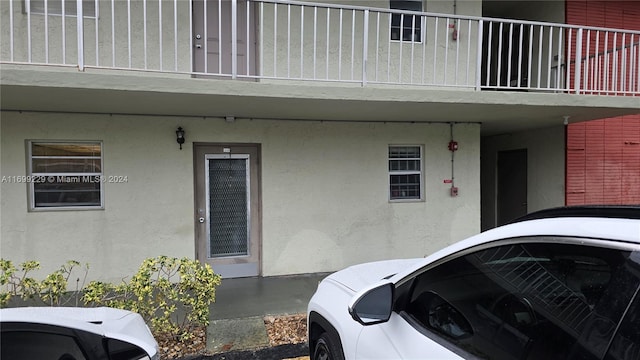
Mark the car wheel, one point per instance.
(327, 348)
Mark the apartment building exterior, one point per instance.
(281, 137)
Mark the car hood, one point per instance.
(359, 276)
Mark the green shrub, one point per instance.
(173, 295)
(51, 291)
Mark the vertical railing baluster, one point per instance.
(234, 39)
(11, 56)
(568, 73)
(113, 33)
(446, 53)
(530, 56)
(605, 64)
(275, 39)
(46, 31)
(327, 43)
(353, 39)
(423, 37)
(340, 47)
(64, 31)
(413, 43)
(489, 52)
(479, 55)
(80, 25)
(144, 31)
(220, 37)
(27, 4)
(96, 6)
(549, 61)
(191, 36)
(466, 78)
(302, 42)
(400, 48)
(435, 50)
(596, 86)
(509, 55)
(175, 35)
(248, 54)
(315, 40)
(377, 43)
(561, 58)
(578, 61)
(499, 57)
(587, 56)
(365, 46)
(288, 41)
(614, 67)
(129, 32)
(389, 17)
(520, 46)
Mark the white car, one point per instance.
(71, 333)
(558, 284)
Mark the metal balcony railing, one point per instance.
(279, 40)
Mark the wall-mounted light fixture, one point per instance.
(180, 136)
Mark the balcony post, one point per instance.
(578, 59)
(80, 26)
(479, 55)
(234, 39)
(365, 46)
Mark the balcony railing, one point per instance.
(276, 40)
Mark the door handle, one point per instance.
(201, 220)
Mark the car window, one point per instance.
(527, 301)
(626, 342)
(39, 345)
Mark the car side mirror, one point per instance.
(373, 305)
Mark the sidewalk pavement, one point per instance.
(237, 315)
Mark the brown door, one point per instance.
(212, 29)
(228, 208)
(512, 185)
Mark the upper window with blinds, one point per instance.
(65, 175)
(61, 7)
(405, 172)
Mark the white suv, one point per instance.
(558, 284)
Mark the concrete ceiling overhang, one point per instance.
(94, 91)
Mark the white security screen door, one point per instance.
(227, 209)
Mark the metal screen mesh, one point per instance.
(229, 235)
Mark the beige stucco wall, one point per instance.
(545, 169)
(324, 192)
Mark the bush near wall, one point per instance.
(172, 295)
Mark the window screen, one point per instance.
(65, 174)
(405, 172)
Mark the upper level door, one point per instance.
(213, 37)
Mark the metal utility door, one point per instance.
(213, 37)
(512, 185)
(227, 208)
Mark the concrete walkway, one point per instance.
(241, 304)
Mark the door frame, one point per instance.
(228, 266)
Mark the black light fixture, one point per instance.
(180, 136)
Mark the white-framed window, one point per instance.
(405, 172)
(60, 7)
(406, 25)
(65, 175)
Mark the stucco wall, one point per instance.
(545, 169)
(324, 192)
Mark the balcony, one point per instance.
(294, 42)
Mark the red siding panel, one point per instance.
(603, 156)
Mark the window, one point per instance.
(39, 345)
(65, 175)
(410, 26)
(58, 7)
(529, 301)
(405, 172)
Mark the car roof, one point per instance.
(619, 228)
(108, 322)
(604, 211)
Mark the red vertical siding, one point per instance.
(603, 156)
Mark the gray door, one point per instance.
(512, 185)
(227, 208)
(212, 29)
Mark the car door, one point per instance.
(532, 298)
